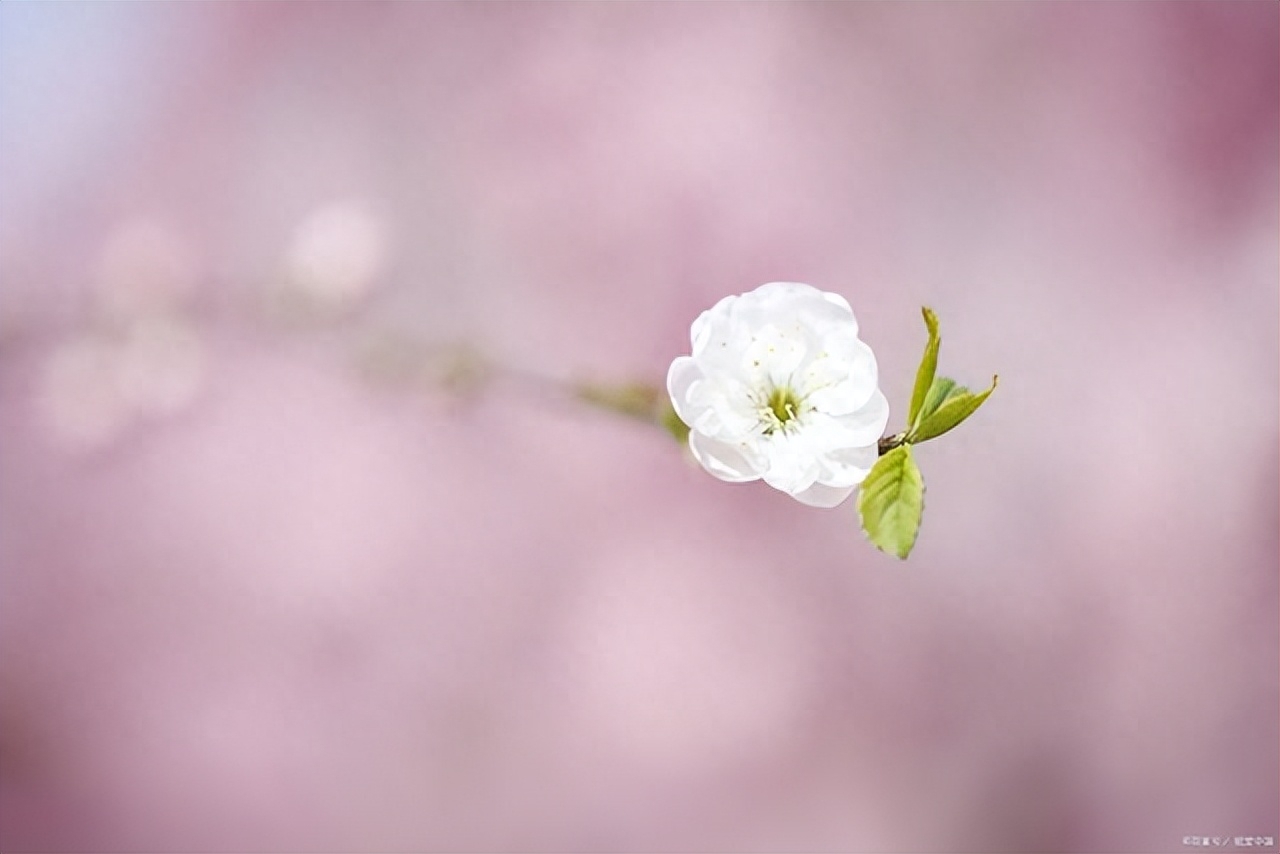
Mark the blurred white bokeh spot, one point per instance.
(79, 397)
(159, 366)
(95, 385)
(336, 255)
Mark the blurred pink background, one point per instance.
(253, 600)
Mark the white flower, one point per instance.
(336, 255)
(96, 384)
(780, 387)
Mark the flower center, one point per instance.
(783, 408)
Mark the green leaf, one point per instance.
(891, 502)
(928, 366)
(952, 412)
(942, 390)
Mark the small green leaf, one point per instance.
(952, 412)
(891, 502)
(928, 366)
(942, 390)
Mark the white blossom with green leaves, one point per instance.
(779, 388)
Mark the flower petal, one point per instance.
(797, 305)
(772, 292)
(780, 303)
(714, 323)
(848, 466)
(681, 376)
(837, 300)
(823, 495)
(772, 356)
(721, 407)
(721, 459)
(856, 429)
(842, 379)
(793, 465)
(829, 314)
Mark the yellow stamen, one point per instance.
(783, 405)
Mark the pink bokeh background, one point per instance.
(253, 599)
